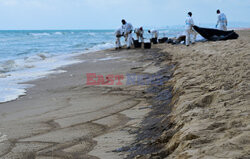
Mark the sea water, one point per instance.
(29, 55)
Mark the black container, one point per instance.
(137, 44)
(170, 41)
(147, 45)
(163, 40)
(154, 40)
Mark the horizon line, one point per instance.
(247, 25)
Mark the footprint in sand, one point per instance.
(3, 137)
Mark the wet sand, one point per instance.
(201, 110)
(62, 117)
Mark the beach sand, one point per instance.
(62, 117)
(201, 112)
(210, 115)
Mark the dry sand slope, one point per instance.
(211, 104)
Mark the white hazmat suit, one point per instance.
(128, 28)
(222, 22)
(139, 34)
(118, 34)
(189, 30)
(154, 33)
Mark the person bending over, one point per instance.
(139, 34)
(154, 33)
(128, 29)
(118, 33)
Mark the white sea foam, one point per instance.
(4, 75)
(23, 70)
(108, 58)
(14, 72)
(8, 66)
(11, 93)
(19, 64)
(3, 137)
(37, 57)
(92, 34)
(58, 33)
(103, 46)
(40, 34)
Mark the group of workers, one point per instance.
(127, 29)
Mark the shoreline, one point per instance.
(63, 114)
(69, 59)
(201, 111)
(57, 69)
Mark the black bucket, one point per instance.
(154, 40)
(137, 44)
(170, 41)
(163, 40)
(147, 45)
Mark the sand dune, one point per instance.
(211, 103)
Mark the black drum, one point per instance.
(137, 44)
(154, 40)
(163, 40)
(147, 45)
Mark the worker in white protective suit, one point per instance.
(128, 29)
(189, 30)
(118, 33)
(154, 33)
(139, 34)
(222, 21)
